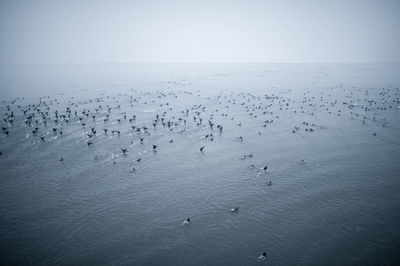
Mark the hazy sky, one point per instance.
(200, 31)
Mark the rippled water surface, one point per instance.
(339, 206)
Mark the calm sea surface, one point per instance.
(99, 206)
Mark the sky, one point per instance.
(152, 31)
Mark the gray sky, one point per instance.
(199, 31)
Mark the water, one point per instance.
(339, 207)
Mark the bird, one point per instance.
(262, 257)
(202, 148)
(186, 222)
(236, 209)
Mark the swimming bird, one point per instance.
(186, 222)
(247, 156)
(202, 148)
(236, 209)
(262, 257)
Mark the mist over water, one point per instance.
(329, 134)
(181, 132)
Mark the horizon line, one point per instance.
(195, 62)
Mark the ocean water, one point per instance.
(328, 133)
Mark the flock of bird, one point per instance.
(50, 119)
